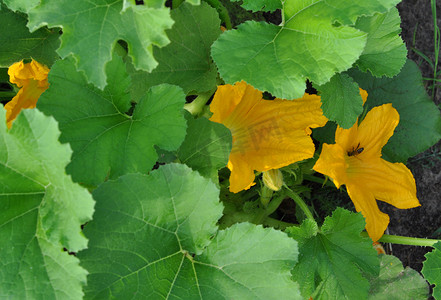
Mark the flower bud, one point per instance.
(273, 179)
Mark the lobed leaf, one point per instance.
(186, 61)
(261, 5)
(341, 100)
(106, 141)
(394, 282)
(18, 43)
(206, 147)
(315, 42)
(332, 260)
(42, 211)
(90, 30)
(431, 269)
(385, 52)
(151, 238)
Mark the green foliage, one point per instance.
(147, 246)
(420, 121)
(260, 5)
(18, 43)
(332, 259)
(206, 147)
(341, 100)
(186, 60)
(385, 52)
(120, 74)
(431, 269)
(41, 212)
(91, 29)
(106, 141)
(315, 42)
(394, 282)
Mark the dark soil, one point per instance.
(422, 222)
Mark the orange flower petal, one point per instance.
(364, 95)
(332, 163)
(355, 160)
(242, 175)
(267, 134)
(376, 129)
(32, 78)
(364, 202)
(389, 182)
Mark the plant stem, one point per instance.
(318, 180)
(196, 107)
(436, 42)
(404, 240)
(7, 94)
(299, 201)
(265, 195)
(277, 223)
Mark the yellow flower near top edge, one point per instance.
(355, 161)
(267, 134)
(32, 79)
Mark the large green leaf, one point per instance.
(18, 43)
(420, 121)
(315, 42)
(206, 147)
(107, 142)
(151, 238)
(385, 52)
(260, 5)
(91, 28)
(341, 100)
(41, 212)
(332, 259)
(394, 282)
(186, 61)
(432, 269)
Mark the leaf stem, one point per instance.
(404, 240)
(197, 105)
(299, 201)
(318, 180)
(7, 94)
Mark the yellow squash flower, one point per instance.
(355, 160)
(32, 79)
(267, 134)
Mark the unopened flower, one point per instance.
(355, 161)
(32, 79)
(267, 134)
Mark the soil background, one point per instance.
(424, 221)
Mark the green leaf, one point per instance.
(41, 212)
(420, 121)
(206, 147)
(186, 61)
(148, 246)
(105, 140)
(341, 100)
(316, 41)
(18, 43)
(394, 282)
(21, 5)
(260, 5)
(91, 29)
(431, 269)
(331, 262)
(385, 52)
